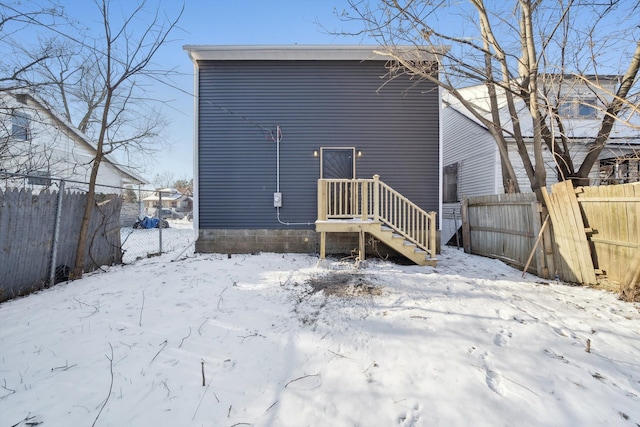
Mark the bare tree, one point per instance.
(124, 55)
(20, 57)
(96, 82)
(183, 184)
(164, 179)
(18, 153)
(527, 55)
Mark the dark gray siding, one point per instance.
(317, 104)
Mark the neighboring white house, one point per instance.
(171, 199)
(38, 142)
(471, 162)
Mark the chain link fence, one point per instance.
(40, 219)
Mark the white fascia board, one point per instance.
(299, 52)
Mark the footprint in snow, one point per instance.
(562, 332)
(494, 382)
(493, 377)
(501, 339)
(410, 418)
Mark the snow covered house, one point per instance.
(307, 148)
(38, 142)
(471, 162)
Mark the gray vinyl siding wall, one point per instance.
(317, 104)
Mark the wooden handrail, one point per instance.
(373, 200)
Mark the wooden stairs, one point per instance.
(383, 233)
(369, 206)
(403, 246)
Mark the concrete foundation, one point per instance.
(244, 241)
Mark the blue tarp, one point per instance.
(150, 222)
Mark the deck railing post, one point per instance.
(322, 200)
(376, 198)
(432, 234)
(365, 199)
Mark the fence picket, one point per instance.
(612, 212)
(26, 238)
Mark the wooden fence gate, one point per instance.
(571, 247)
(611, 215)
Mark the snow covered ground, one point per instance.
(140, 243)
(275, 340)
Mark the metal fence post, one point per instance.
(56, 235)
(140, 202)
(160, 222)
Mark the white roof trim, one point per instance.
(297, 52)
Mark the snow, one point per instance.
(141, 243)
(283, 341)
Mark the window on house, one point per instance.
(20, 126)
(578, 108)
(587, 108)
(565, 109)
(620, 170)
(450, 184)
(39, 178)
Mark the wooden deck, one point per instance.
(369, 206)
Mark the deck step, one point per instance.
(402, 245)
(385, 234)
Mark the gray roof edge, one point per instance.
(304, 52)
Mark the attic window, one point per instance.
(450, 184)
(20, 126)
(578, 108)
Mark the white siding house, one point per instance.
(171, 199)
(471, 162)
(36, 141)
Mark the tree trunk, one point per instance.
(528, 42)
(81, 249)
(610, 118)
(78, 265)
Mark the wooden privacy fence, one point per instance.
(592, 232)
(507, 226)
(596, 231)
(40, 231)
